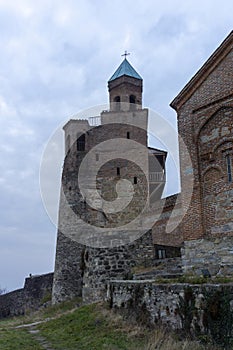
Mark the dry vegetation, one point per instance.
(90, 327)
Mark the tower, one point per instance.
(106, 186)
(125, 88)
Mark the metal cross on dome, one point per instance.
(126, 54)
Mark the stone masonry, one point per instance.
(161, 304)
(96, 266)
(118, 148)
(36, 291)
(202, 228)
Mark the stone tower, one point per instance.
(125, 86)
(110, 177)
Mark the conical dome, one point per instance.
(125, 68)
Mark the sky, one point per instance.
(56, 58)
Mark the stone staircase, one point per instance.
(164, 268)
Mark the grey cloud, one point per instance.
(56, 58)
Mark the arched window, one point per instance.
(81, 143)
(117, 101)
(132, 101)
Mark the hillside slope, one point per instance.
(69, 326)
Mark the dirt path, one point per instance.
(38, 337)
(35, 332)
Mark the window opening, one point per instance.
(161, 253)
(81, 143)
(117, 101)
(229, 168)
(132, 101)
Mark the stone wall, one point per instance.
(13, 303)
(165, 303)
(90, 249)
(102, 265)
(215, 254)
(204, 109)
(68, 272)
(36, 289)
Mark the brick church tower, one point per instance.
(110, 178)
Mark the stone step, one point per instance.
(157, 274)
(167, 268)
(169, 276)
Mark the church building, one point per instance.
(112, 178)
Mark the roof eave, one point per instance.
(214, 60)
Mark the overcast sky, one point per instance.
(56, 58)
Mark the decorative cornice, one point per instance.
(219, 54)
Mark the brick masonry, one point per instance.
(204, 111)
(205, 234)
(79, 268)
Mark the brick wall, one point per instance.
(205, 124)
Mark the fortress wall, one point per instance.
(13, 303)
(36, 288)
(214, 254)
(168, 304)
(102, 265)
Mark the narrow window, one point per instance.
(135, 180)
(229, 168)
(97, 157)
(118, 171)
(117, 101)
(128, 135)
(132, 101)
(161, 253)
(81, 143)
(86, 256)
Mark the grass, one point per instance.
(193, 279)
(12, 339)
(95, 327)
(89, 327)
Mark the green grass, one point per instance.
(193, 279)
(58, 309)
(14, 339)
(88, 328)
(95, 327)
